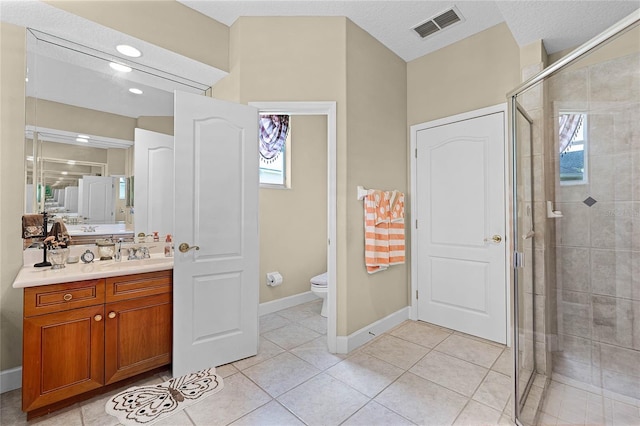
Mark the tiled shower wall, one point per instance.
(597, 253)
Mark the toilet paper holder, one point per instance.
(274, 278)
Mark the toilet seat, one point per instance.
(320, 289)
(319, 280)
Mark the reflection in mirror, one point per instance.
(80, 146)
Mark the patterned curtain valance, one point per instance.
(273, 134)
(569, 126)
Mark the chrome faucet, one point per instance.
(118, 255)
(144, 253)
(132, 253)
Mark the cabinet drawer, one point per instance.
(138, 285)
(61, 297)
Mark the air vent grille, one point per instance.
(438, 22)
(426, 29)
(446, 19)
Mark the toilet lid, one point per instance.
(319, 280)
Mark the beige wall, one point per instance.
(293, 222)
(332, 59)
(308, 67)
(12, 111)
(376, 158)
(473, 73)
(54, 115)
(167, 24)
(156, 124)
(116, 161)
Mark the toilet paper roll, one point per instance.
(274, 278)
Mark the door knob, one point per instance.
(112, 314)
(496, 238)
(184, 247)
(98, 317)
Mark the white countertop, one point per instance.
(29, 276)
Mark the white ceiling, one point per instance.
(560, 24)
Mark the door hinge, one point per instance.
(416, 152)
(416, 223)
(518, 259)
(417, 295)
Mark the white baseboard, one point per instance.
(10, 379)
(286, 302)
(346, 344)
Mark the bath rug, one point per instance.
(145, 405)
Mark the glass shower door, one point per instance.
(523, 245)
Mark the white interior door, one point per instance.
(98, 203)
(460, 200)
(153, 183)
(215, 288)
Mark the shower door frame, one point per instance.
(518, 261)
(571, 57)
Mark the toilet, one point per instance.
(319, 288)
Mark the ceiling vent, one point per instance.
(439, 22)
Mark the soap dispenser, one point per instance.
(168, 247)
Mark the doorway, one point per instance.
(327, 109)
(459, 247)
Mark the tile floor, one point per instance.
(414, 374)
(568, 404)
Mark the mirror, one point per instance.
(82, 115)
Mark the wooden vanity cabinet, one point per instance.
(138, 329)
(81, 336)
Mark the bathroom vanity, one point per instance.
(89, 326)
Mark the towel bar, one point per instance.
(362, 192)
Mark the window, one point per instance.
(274, 140)
(122, 188)
(573, 148)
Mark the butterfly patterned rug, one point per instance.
(145, 405)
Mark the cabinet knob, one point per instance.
(98, 317)
(112, 314)
(67, 297)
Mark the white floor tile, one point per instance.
(323, 400)
(374, 414)
(281, 373)
(270, 414)
(422, 401)
(365, 373)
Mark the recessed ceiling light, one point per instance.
(84, 136)
(119, 67)
(136, 91)
(127, 50)
(65, 173)
(82, 140)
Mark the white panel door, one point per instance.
(215, 288)
(98, 202)
(153, 183)
(461, 226)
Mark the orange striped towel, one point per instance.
(384, 230)
(396, 229)
(376, 231)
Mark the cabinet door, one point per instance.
(63, 356)
(137, 336)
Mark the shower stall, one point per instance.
(575, 130)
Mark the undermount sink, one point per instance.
(133, 263)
